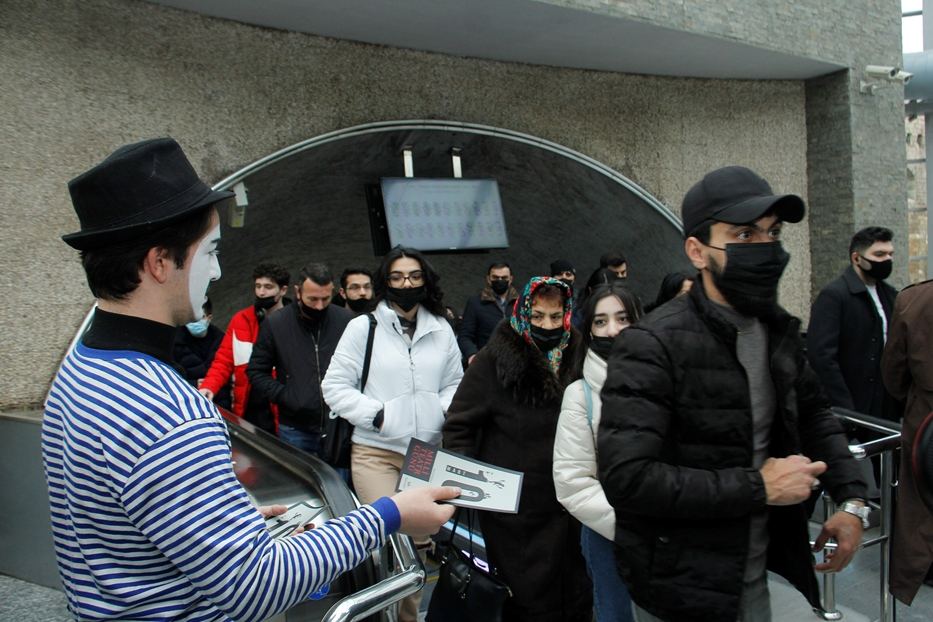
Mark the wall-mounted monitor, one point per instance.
(444, 214)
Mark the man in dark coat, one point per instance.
(907, 369)
(485, 310)
(714, 429)
(298, 343)
(505, 412)
(194, 349)
(849, 324)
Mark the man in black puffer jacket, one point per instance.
(714, 429)
(298, 343)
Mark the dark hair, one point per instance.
(612, 258)
(113, 270)
(549, 292)
(351, 271)
(599, 276)
(434, 297)
(317, 273)
(702, 232)
(670, 287)
(208, 306)
(868, 236)
(496, 265)
(272, 271)
(626, 297)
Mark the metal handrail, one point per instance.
(387, 592)
(885, 447)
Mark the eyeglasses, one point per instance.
(397, 279)
(357, 287)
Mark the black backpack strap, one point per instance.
(369, 351)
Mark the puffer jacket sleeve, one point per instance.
(637, 411)
(576, 478)
(823, 438)
(453, 369)
(341, 383)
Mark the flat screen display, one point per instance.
(444, 214)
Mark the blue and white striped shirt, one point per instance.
(148, 519)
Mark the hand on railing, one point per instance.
(846, 530)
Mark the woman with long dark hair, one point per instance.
(609, 310)
(413, 373)
(505, 412)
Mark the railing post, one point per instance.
(829, 611)
(887, 500)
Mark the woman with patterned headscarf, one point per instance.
(505, 412)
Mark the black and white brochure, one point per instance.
(484, 486)
(297, 515)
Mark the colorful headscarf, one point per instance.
(521, 316)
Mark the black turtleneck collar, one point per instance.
(113, 331)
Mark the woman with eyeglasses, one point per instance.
(414, 372)
(505, 413)
(609, 309)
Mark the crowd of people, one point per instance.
(668, 450)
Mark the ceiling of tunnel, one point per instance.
(525, 31)
(312, 206)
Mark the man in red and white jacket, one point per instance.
(271, 284)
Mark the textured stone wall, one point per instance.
(82, 77)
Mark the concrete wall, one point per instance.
(82, 77)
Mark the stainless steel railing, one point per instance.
(387, 592)
(885, 447)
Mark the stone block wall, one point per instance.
(84, 76)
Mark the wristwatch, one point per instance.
(856, 507)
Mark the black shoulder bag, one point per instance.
(464, 592)
(336, 439)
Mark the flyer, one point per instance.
(484, 486)
(297, 515)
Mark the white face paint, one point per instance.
(204, 269)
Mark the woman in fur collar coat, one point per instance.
(505, 412)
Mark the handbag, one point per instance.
(464, 592)
(337, 437)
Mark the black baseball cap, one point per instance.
(735, 195)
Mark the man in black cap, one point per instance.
(148, 518)
(714, 429)
(563, 270)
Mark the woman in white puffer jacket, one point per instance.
(414, 371)
(608, 310)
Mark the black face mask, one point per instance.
(602, 346)
(406, 298)
(879, 270)
(312, 315)
(262, 305)
(547, 338)
(749, 282)
(359, 305)
(499, 287)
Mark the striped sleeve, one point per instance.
(183, 495)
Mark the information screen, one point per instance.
(444, 214)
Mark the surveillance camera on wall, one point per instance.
(881, 71)
(890, 74)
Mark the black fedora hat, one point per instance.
(735, 195)
(137, 189)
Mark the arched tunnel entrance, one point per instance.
(308, 202)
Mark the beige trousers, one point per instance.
(375, 473)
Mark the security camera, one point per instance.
(882, 71)
(903, 76)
